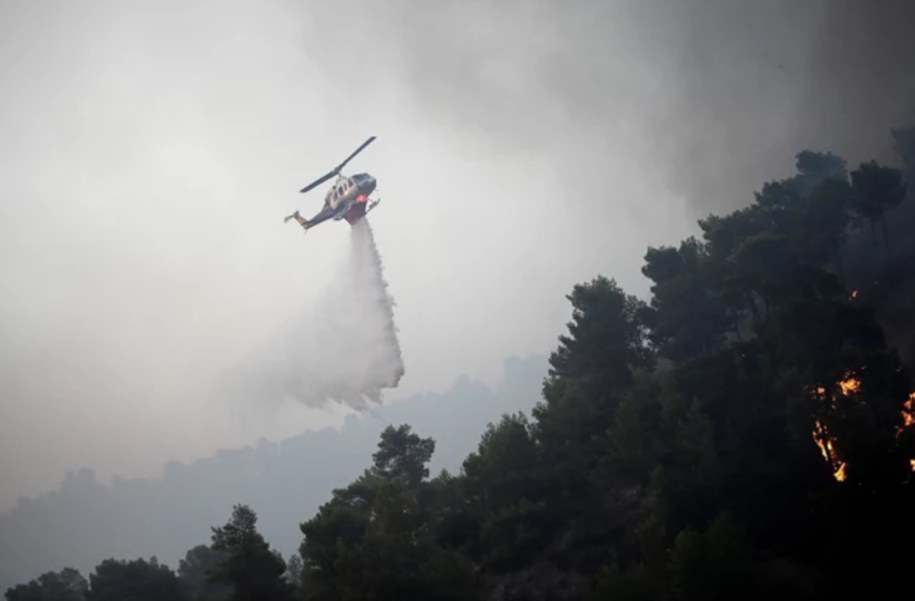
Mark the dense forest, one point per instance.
(746, 433)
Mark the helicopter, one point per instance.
(348, 198)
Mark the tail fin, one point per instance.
(299, 218)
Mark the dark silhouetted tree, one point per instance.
(137, 580)
(403, 455)
(877, 189)
(250, 567)
(65, 585)
(293, 573)
(194, 571)
(374, 540)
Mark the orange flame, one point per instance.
(839, 474)
(850, 385)
(822, 440)
(908, 411)
(854, 294)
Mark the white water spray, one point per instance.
(345, 351)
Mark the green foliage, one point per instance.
(403, 455)
(704, 481)
(605, 341)
(293, 575)
(250, 567)
(503, 492)
(813, 168)
(877, 189)
(713, 564)
(195, 570)
(66, 585)
(687, 316)
(137, 580)
(590, 371)
(375, 540)
(747, 433)
(634, 584)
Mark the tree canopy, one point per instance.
(746, 432)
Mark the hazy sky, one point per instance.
(150, 151)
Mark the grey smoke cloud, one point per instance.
(150, 151)
(755, 82)
(715, 95)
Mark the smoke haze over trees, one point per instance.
(176, 133)
(88, 519)
(744, 429)
(745, 432)
(715, 94)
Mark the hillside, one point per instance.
(747, 432)
(85, 520)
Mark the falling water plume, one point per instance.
(343, 351)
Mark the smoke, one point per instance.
(345, 350)
(756, 82)
(712, 98)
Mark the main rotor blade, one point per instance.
(355, 152)
(319, 181)
(336, 170)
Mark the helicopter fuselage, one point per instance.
(348, 196)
